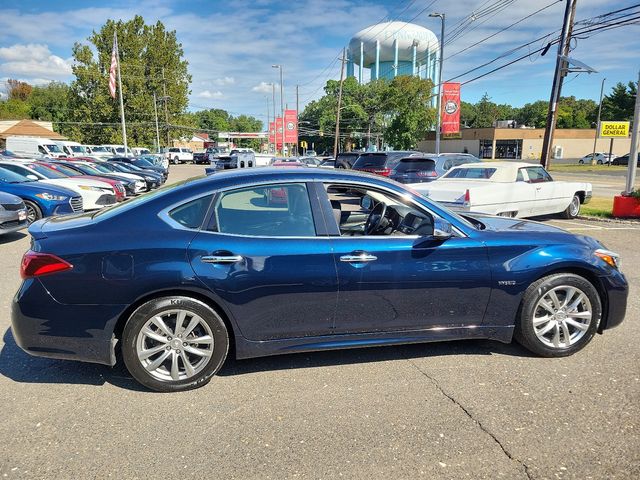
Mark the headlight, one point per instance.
(90, 188)
(612, 258)
(48, 196)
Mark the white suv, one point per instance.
(178, 155)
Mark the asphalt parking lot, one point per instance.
(473, 409)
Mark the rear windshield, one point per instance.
(409, 165)
(480, 173)
(371, 160)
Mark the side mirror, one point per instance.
(32, 177)
(441, 229)
(366, 202)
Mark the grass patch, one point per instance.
(598, 207)
(587, 168)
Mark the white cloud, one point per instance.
(31, 61)
(225, 81)
(264, 87)
(209, 94)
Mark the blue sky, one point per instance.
(231, 45)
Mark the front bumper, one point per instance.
(12, 221)
(617, 290)
(45, 328)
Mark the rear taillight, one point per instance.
(383, 171)
(427, 173)
(467, 198)
(38, 264)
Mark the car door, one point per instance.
(549, 196)
(403, 281)
(263, 255)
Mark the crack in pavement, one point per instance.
(522, 465)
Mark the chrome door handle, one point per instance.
(221, 259)
(362, 257)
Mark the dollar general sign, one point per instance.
(614, 129)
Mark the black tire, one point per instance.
(599, 162)
(581, 162)
(34, 212)
(573, 210)
(157, 307)
(176, 160)
(525, 333)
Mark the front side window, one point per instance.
(361, 211)
(538, 175)
(281, 210)
(191, 214)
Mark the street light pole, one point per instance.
(439, 110)
(281, 104)
(155, 110)
(595, 140)
(268, 128)
(633, 155)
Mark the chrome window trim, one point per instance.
(164, 213)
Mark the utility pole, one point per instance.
(155, 110)
(335, 142)
(268, 126)
(556, 89)
(297, 116)
(633, 155)
(166, 112)
(595, 139)
(439, 119)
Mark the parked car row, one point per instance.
(64, 185)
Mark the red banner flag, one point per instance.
(291, 126)
(272, 132)
(278, 132)
(450, 108)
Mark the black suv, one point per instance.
(381, 163)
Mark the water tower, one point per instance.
(391, 49)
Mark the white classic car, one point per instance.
(510, 189)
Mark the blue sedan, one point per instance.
(269, 261)
(41, 199)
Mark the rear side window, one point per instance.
(191, 214)
(410, 165)
(282, 210)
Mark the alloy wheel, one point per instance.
(562, 316)
(574, 207)
(174, 345)
(32, 215)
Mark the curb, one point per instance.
(609, 220)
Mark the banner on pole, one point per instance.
(112, 69)
(450, 108)
(272, 132)
(278, 132)
(291, 126)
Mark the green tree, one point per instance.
(618, 105)
(213, 119)
(50, 102)
(468, 114)
(533, 114)
(14, 109)
(151, 58)
(411, 114)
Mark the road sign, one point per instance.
(614, 129)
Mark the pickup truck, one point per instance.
(511, 189)
(178, 155)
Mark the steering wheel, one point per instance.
(375, 218)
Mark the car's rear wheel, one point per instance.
(581, 161)
(176, 160)
(33, 211)
(559, 315)
(573, 210)
(174, 343)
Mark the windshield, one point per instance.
(143, 163)
(473, 173)
(103, 168)
(410, 165)
(100, 149)
(12, 177)
(70, 172)
(53, 148)
(46, 171)
(78, 149)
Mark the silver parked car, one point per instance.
(13, 213)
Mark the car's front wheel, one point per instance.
(33, 211)
(559, 315)
(174, 343)
(573, 210)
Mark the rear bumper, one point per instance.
(45, 328)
